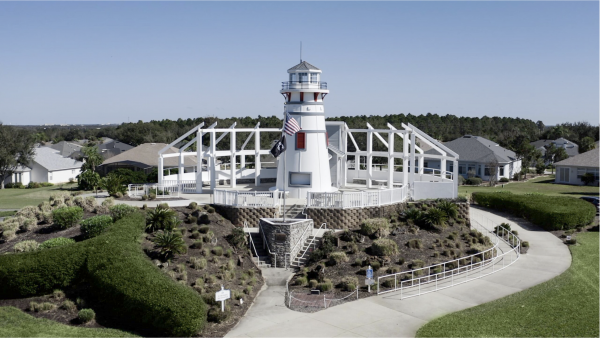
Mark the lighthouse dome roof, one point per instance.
(303, 66)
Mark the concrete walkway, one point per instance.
(387, 315)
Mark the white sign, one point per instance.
(222, 296)
(568, 238)
(369, 281)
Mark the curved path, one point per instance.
(388, 316)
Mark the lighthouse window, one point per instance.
(300, 140)
(293, 77)
(314, 78)
(303, 77)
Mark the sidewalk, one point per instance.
(388, 316)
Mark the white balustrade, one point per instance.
(247, 198)
(359, 199)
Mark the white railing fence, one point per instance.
(316, 301)
(358, 199)
(160, 190)
(505, 251)
(314, 234)
(251, 242)
(247, 198)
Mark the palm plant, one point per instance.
(434, 217)
(412, 213)
(169, 243)
(162, 218)
(449, 208)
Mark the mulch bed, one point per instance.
(167, 199)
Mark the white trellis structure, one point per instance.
(210, 154)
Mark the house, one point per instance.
(144, 158)
(68, 149)
(475, 155)
(48, 165)
(570, 170)
(571, 148)
(110, 148)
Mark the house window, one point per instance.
(487, 171)
(50, 176)
(580, 173)
(426, 164)
(303, 77)
(478, 171)
(501, 171)
(461, 169)
(450, 167)
(314, 77)
(300, 140)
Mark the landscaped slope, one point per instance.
(566, 306)
(15, 323)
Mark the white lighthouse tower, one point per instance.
(307, 158)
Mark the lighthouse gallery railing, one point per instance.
(359, 199)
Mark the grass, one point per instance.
(566, 306)
(16, 323)
(544, 185)
(7, 213)
(18, 198)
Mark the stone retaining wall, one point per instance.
(285, 238)
(237, 215)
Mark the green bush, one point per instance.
(67, 217)
(415, 244)
(204, 229)
(337, 257)
(169, 243)
(301, 281)
(384, 247)
(94, 226)
(86, 315)
(378, 227)
(192, 205)
(473, 181)
(326, 285)
(162, 218)
(121, 210)
(549, 212)
(313, 284)
(217, 251)
(56, 242)
(26, 246)
(504, 179)
(349, 283)
(449, 208)
(434, 217)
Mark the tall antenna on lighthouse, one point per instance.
(300, 51)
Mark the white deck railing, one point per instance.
(358, 199)
(247, 198)
(161, 190)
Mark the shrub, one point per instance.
(549, 212)
(192, 205)
(69, 306)
(352, 248)
(525, 244)
(378, 227)
(121, 210)
(169, 243)
(237, 238)
(384, 247)
(198, 263)
(67, 217)
(108, 202)
(412, 214)
(94, 226)
(191, 220)
(301, 281)
(204, 229)
(376, 265)
(217, 251)
(417, 264)
(326, 285)
(204, 219)
(196, 245)
(473, 181)
(415, 244)
(504, 179)
(449, 208)
(56, 242)
(337, 257)
(86, 315)
(162, 218)
(26, 246)
(434, 217)
(349, 283)
(215, 315)
(210, 210)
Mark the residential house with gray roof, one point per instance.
(476, 154)
(570, 170)
(571, 148)
(48, 165)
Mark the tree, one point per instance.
(525, 152)
(586, 144)
(492, 171)
(89, 180)
(588, 178)
(92, 158)
(560, 154)
(16, 149)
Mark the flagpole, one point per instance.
(284, 178)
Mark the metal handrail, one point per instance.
(313, 239)
(267, 244)
(303, 85)
(301, 236)
(252, 243)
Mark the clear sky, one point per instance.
(78, 62)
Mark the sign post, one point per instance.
(221, 296)
(369, 281)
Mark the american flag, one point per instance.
(291, 125)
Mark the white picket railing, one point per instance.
(359, 199)
(247, 198)
(161, 190)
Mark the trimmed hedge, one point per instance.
(56, 242)
(121, 275)
(67, 217)
(94, 226)
(549, 212)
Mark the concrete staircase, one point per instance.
(264, 259)
(294, 211)
(309, 245)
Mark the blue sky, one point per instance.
(78, 62)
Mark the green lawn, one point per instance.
(544, 185)
(566, 306)
(18, 198)
(16, 323)
(7, 213)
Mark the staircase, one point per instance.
(294, 211)
(309, 245)
(264, 259)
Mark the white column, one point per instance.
(421, 165)
(369, 158)
(232, 158)
(405, 159)
(412, 158)
(213, 171)
(443, 167)
(160, 169)
(180, 168)
(391, 160)
(199, 158)
(455, 177)
(257, 157)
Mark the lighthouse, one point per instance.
(306, 158)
